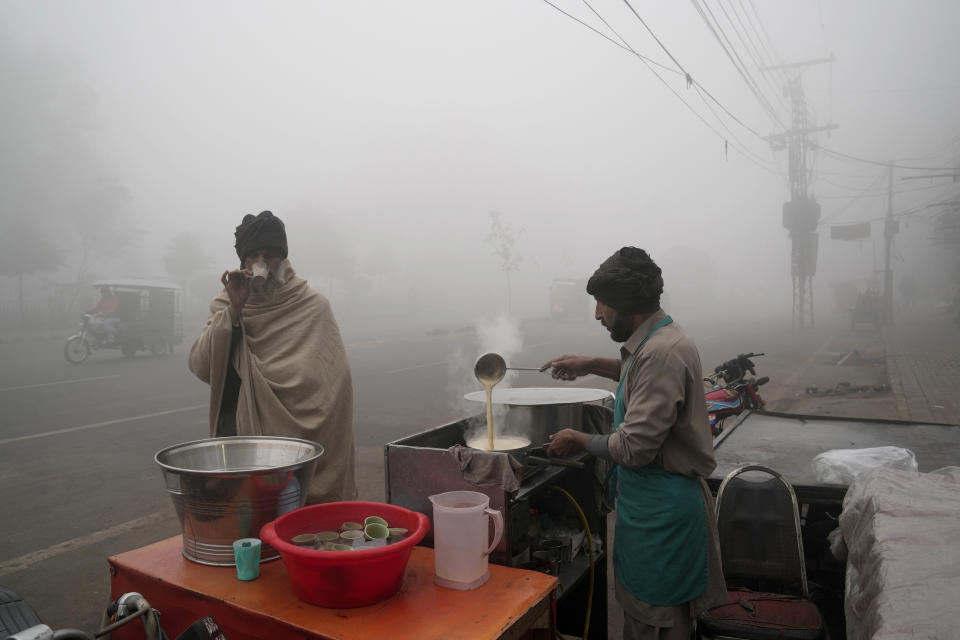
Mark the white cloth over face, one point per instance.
(295, 378)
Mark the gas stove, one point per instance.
(421, 465)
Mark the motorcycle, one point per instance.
(21, 622)
(733, 393)
(93, 335)
(147, 316)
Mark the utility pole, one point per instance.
(890, 228)
(802, 212)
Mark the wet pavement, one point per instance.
(923, 363)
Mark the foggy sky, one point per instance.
(385, 133)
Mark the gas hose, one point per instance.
(586, 529)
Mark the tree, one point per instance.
(503, 240)
(98, 215)
(25, 249)
(52, 164)
(185, 257)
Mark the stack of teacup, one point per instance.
(374, 532)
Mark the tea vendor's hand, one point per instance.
(566, 442)
(567, 367)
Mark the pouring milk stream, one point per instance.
(490, 369)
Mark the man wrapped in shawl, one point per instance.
(666, 552)
(272, 354)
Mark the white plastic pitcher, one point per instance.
(460, 538)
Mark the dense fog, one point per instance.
(437, 162)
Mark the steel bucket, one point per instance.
(225, 489)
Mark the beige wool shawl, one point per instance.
(295, 378)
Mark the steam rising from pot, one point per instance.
(502, 335)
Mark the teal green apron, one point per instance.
(660, 540)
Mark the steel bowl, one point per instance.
(225, 489)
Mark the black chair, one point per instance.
(761, 547)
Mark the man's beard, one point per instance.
(621, 328)
(274, 280)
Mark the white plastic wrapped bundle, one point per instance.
(903, 566)
(841, 466)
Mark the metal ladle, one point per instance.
(490, 369)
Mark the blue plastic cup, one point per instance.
(246, 554)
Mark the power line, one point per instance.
(939, 149)
(871, 192)
(756, 158)
(735, 58)
(688, 76)
(752, 49)
(895, 165)
(694, 111)
(662, 46)
(627, 45)
(599, 33)
(926, 188)
(744, 152)
(727, 111)
(772, 59)
(763, 28)
(737, 63)
(693, 83)
(836, 214)
(915, 212)
(766, 42)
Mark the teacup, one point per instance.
(376, 531)
(352, 537)
(260, 271)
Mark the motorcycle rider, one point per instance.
(105, 319)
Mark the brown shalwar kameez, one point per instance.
(666, 424)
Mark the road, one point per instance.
(77, 441)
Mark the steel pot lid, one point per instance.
(535, 396)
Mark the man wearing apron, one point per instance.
(666, 554)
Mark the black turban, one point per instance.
(263, 231)
(628, 281)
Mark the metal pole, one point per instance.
(888, 231)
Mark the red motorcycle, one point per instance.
(733, 393)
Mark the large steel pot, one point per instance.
(536, 412)
(225, 489)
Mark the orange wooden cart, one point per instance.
(513, 604)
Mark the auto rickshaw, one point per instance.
(132, 315)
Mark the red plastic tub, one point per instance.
(344, 579)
